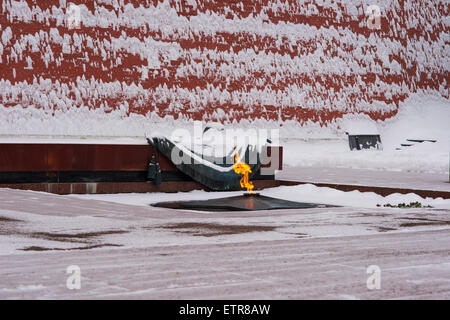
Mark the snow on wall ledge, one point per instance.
(309, 62)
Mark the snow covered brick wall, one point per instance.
(222, 59)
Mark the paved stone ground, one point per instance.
(129, 252)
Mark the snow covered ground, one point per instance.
(423, 117)
(128, 249)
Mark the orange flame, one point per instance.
(243, 168)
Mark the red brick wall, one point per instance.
(223, 59)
